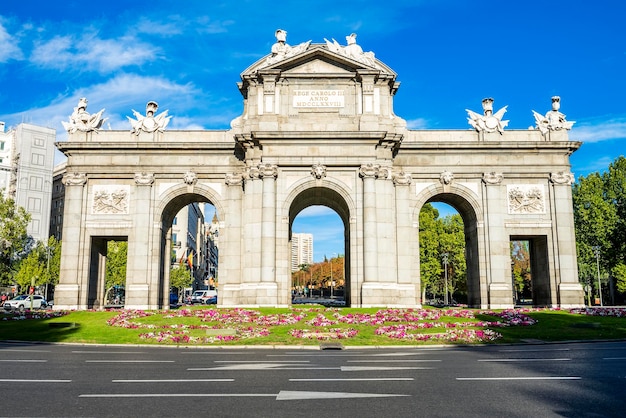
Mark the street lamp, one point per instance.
(445, 275)
(596, 251)
(331, 276)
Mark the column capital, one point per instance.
(401, 178)
(144, 179)
(369, 170)
(492, 178)
(234, 179)
(268, 170)
(74, 179)
(562, 178)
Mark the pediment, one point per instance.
(316, 59)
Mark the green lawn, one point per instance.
(311, 325)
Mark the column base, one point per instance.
(390, 295)
(250, 295)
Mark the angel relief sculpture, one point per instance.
(81, 120)
(489, 122)
(150, 122)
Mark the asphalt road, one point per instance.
(549, 380)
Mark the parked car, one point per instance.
(22, 302)
(204, 296)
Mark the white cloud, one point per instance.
(118, 95)
(172, 27)
(9, 49)
(602, 131)
(88, 52)
(417, 123)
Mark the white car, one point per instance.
(204, 296)
(23, 302)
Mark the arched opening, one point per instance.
(449, 257)
(107, 272)
(189, 251)
(530, 273)
(328, 280)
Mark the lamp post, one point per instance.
(513, 281)
(445, 275)
(596, 251)
(331, 276)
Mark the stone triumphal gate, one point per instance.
(318, 128)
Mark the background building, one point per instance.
(57, 203)
(301, 250)
(27, 159)
(188, 240)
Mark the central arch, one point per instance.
(172, 202)
(464, 202)
(324, 193)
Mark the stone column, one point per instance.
(231, 249)
(570, 291)
(386, 238)
(497, 247)
(404, 230)
(73, 280)
(268, 172)
(251, 224)
(369, 173)
(140, 282)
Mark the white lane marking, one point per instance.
(260, 367)
(521, 378)
(15, 350)
(107, 352)
(176, 395)
(36, 380)
(402, 354)
(357, 379)
(289, 395)
(392, 361)
(314, 355)
(259, 362)
(24, 361)
(614, 358)
(214, 353)
(374, 368)
(129, 361)
(502, 360)
(536, 350)
(283, 395)
(169, 380)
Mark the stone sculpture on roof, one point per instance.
(281, 49)
(81, 120)
(489, 121)
(352, 50)
(150, 122)
(553, 120)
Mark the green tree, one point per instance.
(31, 270)
(452, 241)
(619, 272)
(42, 263)
(14, 240)
(52, 255)
(115, 265)
(431, 268)
(599, 210)
(180, 277)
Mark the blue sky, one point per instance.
(449, 55)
